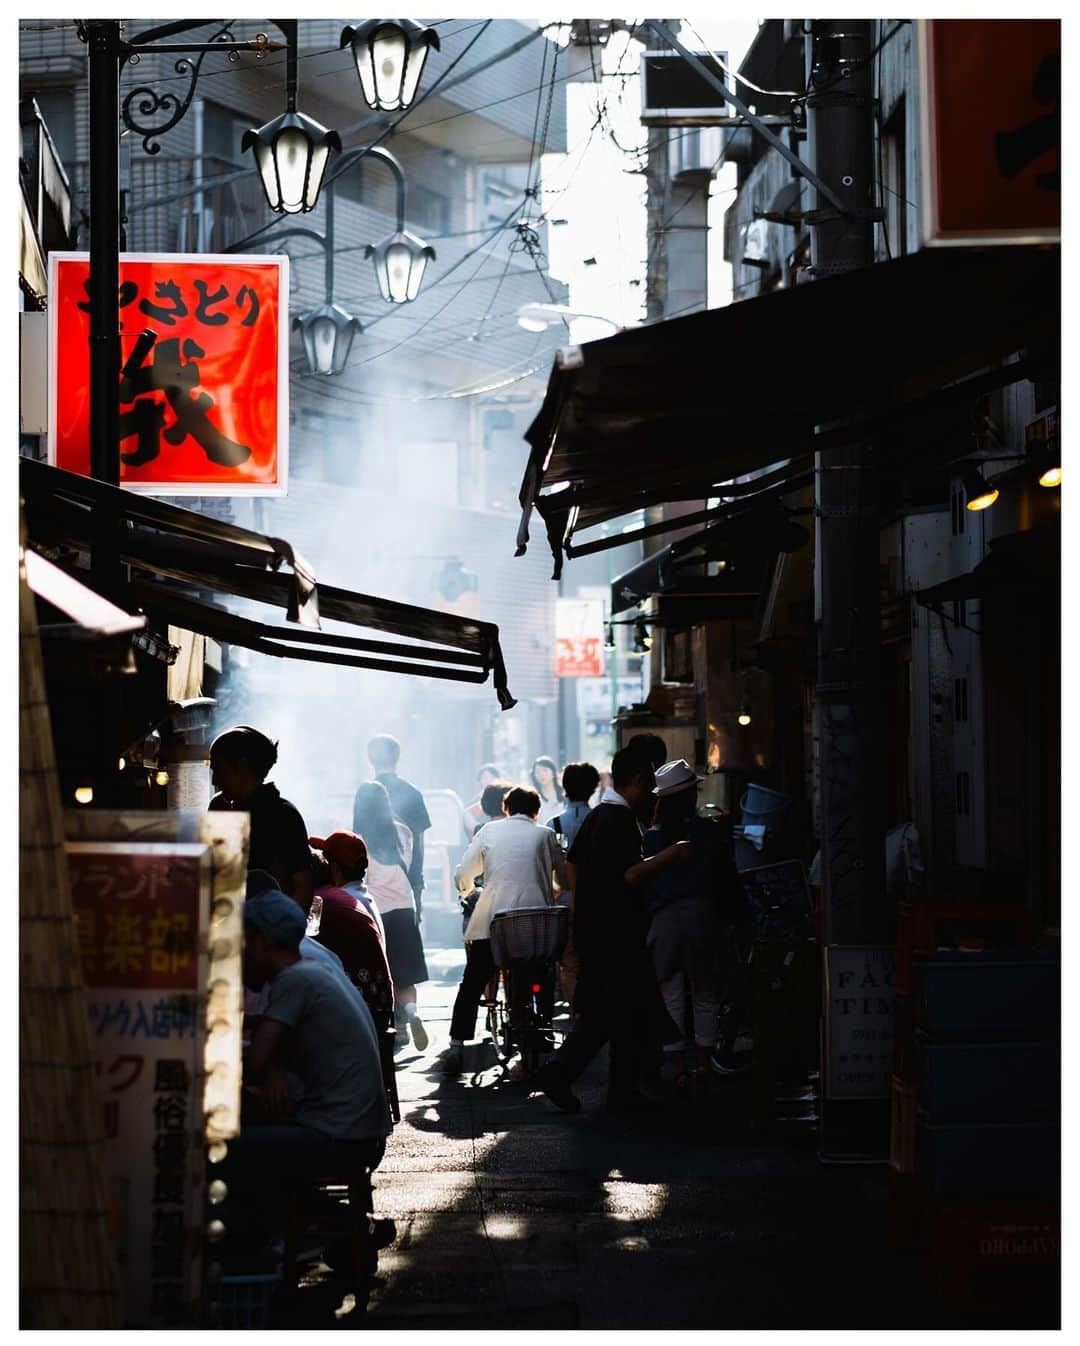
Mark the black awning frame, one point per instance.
(616, 435)
(205, 553)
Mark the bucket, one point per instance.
(760, 802)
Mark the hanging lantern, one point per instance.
(327, 333)
(400, 262)
(390, 56)
(291, 153)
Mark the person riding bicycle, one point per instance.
(522, 864)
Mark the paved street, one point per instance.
(512, 1214)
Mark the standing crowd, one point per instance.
(333, 952)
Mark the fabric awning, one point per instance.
(672, 411)
(188, 554)
(746, 543)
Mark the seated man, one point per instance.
(316, 1027)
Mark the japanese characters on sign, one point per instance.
(860, 1012)
(991, 130)
(204, 407)
(579, 638)
(141, 916)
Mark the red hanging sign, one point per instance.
(991, 130)
(204, 409)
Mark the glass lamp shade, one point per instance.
(400, 263)
(291, 153)
(327, 333)
(390, 56)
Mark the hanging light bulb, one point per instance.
(980, 494)
(84, 794)
(744, 716)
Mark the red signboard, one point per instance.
(204, 410)
(137, 918)
(579, 658)
(991, 130)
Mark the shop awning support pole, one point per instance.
(848, 700)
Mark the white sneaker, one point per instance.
(419, 1034)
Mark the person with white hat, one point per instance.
(688, 906)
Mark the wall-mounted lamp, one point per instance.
(980, 494)
(642, 639)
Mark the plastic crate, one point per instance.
(245, 1301)
(528, 934)
(989, 1082)
(1015, 993)
(991, 1159)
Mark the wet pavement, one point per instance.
(510, 1213)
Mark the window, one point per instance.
(678, 656)
(223, 130)
(428, 210)
(960, 700)
(57, 108)
(894, 179)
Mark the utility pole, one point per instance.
(657, 199)
(841, 149)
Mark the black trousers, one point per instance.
(614, 1004)
(479, 970)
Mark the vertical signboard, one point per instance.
(204, 392)
(579, 638)
(990, 130)
(141, 918)
(860, 1015)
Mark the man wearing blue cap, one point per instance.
(313, 1065)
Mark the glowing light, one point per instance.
(1051, 477)
(84, 794)
(161, 778)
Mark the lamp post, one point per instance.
(400, 261)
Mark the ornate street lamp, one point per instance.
(400, 263)
(291, 151)
(328, 331)
(390, 56)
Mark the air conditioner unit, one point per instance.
(673, 93)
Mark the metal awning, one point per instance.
(746, 544)
(89, 612)
(680, 410)
(180, 556)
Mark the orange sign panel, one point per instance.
(991, 130)
(204, 396)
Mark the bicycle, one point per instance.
(525, 943)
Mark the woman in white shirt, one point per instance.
(521, 863)
(389, 848)
(545, 779)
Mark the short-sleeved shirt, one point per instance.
(279, 838)
(349, 928)
(609, 919)
(332, 1048)
(409, 808)
(709, 873)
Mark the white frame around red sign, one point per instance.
(281, 486)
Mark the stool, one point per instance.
(363, 1260)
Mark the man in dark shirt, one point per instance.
(240, 760)
(407, 802)
(616, 983)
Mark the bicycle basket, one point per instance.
(532, 934)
